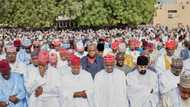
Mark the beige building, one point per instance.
(172, 14)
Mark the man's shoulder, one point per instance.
(16, 75)
(119, 72)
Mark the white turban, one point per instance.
(185, 80)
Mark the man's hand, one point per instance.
(3, 104)
(80, 94)
(13, 99)
(38, 91)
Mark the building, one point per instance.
(172, 12)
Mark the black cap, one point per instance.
(142, 60)
(100, 47)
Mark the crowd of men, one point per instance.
(148, 66)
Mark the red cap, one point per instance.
(115, 45)
(4, 66)
(43, 57)
(75, 60)
(109, 58)
(17, 43)
(171, 44)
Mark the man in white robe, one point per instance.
(179, 97)
(170, 79)
(77, 87)
(62, 64)
(142, 85)
(110, 85)
(45, 89)
(163, 62)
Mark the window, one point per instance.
(172, 14)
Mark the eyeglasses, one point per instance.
(36, 46)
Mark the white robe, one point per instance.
(63, 68)
(173, 99)
(110, 89)
(18, 67)
(74, 83)
(51, 86)
(142, 89)
(167, 81)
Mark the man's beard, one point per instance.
(142, 72)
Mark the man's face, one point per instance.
(170, 52)
(142, 69)
(6, 76)
(184, 92)
(63, 57)
(109, 66)
(91, 51)
(11, 56)
(42, 68)
(120, 61)
(75, 69)
(176, 70)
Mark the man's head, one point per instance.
(80, 47)
(53, 58)
(120, 59)
(176, 66)
(91, 50)
(109, 62)
(100, 48)
(36, 46)
(11, 54)
(184, 85)
(142, 64)
(17, 44)
(26, 44)
(115, 46)
(63, 53)
(56, 43)
(170, 47)
(75, 64)
(5, 69)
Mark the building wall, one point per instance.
(182, 15)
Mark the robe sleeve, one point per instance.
(90, 91)
(21, 89)
(2, 96)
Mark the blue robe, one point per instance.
(13, 86)
(23, 56)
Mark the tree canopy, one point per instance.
(42, 13)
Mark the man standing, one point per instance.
(179, 97)
(92, 63)
(77, 87)
(45, 87)
(142, 85)
(163, 62)
(110, 85)
(12, 91)
(120, 57)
